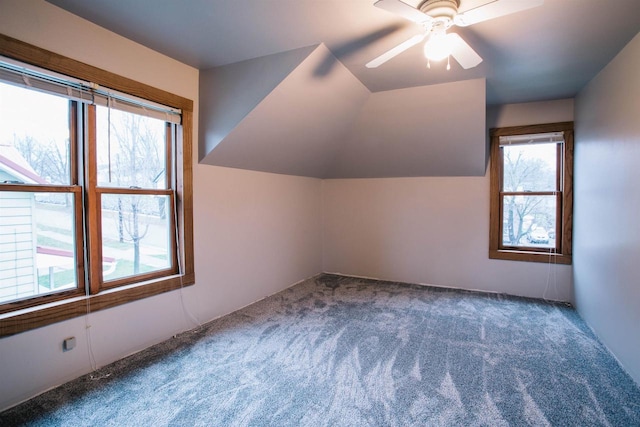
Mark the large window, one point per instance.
(95, 189)
(531, 193)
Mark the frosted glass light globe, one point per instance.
(437, 47)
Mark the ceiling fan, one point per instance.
(437, 16)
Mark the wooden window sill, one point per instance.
(513, 255)
(35, 317)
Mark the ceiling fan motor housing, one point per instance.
(441, 10)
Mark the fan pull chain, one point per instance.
(428, 63)
(448, 63)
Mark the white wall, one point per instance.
(254, 232)
(331, 126)
(607, 203)
(296, 129)
(409, 133)
(434, 230)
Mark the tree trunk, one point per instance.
(512, 237)
(136, 238)
(120, 221)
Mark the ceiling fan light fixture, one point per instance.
(443, 10)
(437, 16)
(437, 47)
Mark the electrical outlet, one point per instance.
(69, 344)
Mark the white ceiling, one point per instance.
(549, 52)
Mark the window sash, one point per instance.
(528, 139)
(110, 141)
(94, 207)
(76, 192)
(97, 270)
(559, 163)
(558, 226)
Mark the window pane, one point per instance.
(136, 235)
(530, 167)
(131, 150)
(529, 221)
(34, 137)
(37, 251)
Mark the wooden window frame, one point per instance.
(564, 204)
(94, 193)
(38, 312)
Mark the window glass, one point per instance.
(34, 137)
(136, 235)
(131, 150)
(529, 221)
(37, 254)
(530, 167)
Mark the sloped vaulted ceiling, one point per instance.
(303, 113)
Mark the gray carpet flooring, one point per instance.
(339, 351)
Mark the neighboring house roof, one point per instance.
(13, 164)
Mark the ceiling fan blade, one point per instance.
(395, 51)
(492, 10)
(404, 10)
(462, 52)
